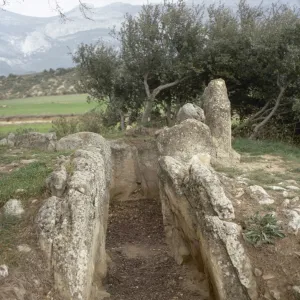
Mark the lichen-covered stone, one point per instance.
(190, 111)
(72, 226)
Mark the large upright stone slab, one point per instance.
(218, 118)
(72, 223)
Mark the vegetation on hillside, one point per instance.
(47, 83)
(169, 52)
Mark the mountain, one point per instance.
(31, 44)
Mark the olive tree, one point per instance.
(102, 75)
(161, 47)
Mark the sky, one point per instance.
(45, 8)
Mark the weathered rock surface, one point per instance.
(3, 271)
(293, 216)
(185, 140)
(126, 174)
(72, 223)
(218, 118)
(79, 140)
(196, 216)
(190, 111)
(36, 140)
(14, 208)
(259, 194)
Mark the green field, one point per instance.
(6, 129)
(65, 104)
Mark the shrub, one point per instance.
(65, 126)
(92, 122)
(262, 229)
(21, 131)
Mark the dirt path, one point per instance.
(142, 268)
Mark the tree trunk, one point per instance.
(251, 119)
(122, 121)
(151, 96)
(168, 114)
(259, 126)
(147, 111)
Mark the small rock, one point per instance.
(24, 248)
(34, 201)
(296, 290)
(3, 271)
(295, 200)
(258, 193)
(293, 188)
(285, 194)
(277, 188)
(275, 294)
(240, 192)
(258, 272)
(3, 142)
(13, 207)
(28, 161)
(20, 191)
(292, 181)
(294, 221)
(286, 202)
(268, 276)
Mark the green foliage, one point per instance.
(92, 122)
(21, 131)
(64, 126)
(262, 229)
(31, 178)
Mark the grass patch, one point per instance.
(30, 178)
(8, 232)
(286, 151)
(64, 104)
(6, 129)
(262, 229)
(230, 172)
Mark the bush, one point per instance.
(65, 126)
(92, 122)
(21, 131)
(262, 229)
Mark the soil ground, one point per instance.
(141, 267)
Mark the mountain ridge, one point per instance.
(32, 44)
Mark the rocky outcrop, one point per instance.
(190, 111)
(198, 215)
(198, 223)
(185, 140)
(125, 169)
(31, 140)
(218, 118)
(135, 168)
(79, 140)
(72, 223)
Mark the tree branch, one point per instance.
(252, 118)
(147, 89)
(166, 86)
(266, 120)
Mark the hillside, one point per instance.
(31, 44)
(58, 82)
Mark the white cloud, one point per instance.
(46, 8)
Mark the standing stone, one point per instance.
(218, 118)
